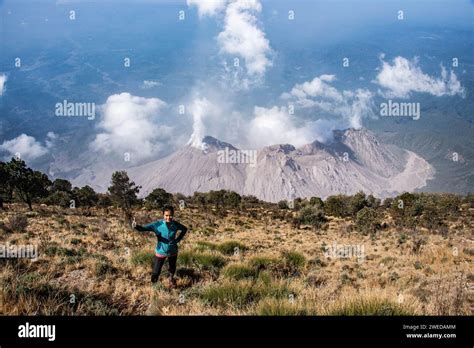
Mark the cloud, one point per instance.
(208, 7)
(147, 84)
(27, 146)
(3, 80)
(129, 125)
(276, 126)
(346, 108)
(242, 36)
(315, 88)
(403, 77)
(50, 138)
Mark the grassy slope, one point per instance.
(273, 270)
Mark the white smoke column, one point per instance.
(199, 109)
(3, 80)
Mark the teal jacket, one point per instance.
(168, 239)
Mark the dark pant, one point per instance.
(158, 264)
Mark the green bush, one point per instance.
(373, 306)
(231, 294)
(293, 263)
(336, 206)
(205, 260)
(209, 261)
(283, 307)
(239, 271)
(312, 216)
(367, 220)
(203, 245)
(260, 263)
(142, 257)
(241, 294)
(230, 247)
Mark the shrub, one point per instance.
(367, 220)
(142, 257)
(209, 261)
(312, 216)
(316, 202)
(185, 258)
(103, 268)
(283, 307)
(158, 198)
(260, 263)
(369, 306)
(204, 245)
(239, 271)
(293, 263)
(59, 198)
(231, 294)
(241, 294)
(356, 203)
(230, 247)
(17, 223)
(336, 206)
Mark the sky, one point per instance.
(250, 72)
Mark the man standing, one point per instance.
(166, 231)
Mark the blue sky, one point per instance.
(190, 63)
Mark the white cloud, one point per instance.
(129, 125)
(315, 88)
(276, 126)
(403, 77)
(50, 138)
(346, 108)
(3, 80)
(240, 38)
(147, 84)
(208, 7)
(27, 146)
(243, 37)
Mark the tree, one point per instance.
(356, 203)
(317, 202)
(232, 199)
(124, 193)
(216, 198)
(431, 218)
(60, 198)
(5, 188)
(373, 202)
(367, 220)
(104, 200)
(85, 196)
(61, 185)
(27, 183)
(158, 198)
(311, 215)
(336, 206)
(199, 198)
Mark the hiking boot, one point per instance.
(173, 283)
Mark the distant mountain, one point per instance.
(355, 160)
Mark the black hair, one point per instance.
(168, 208)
